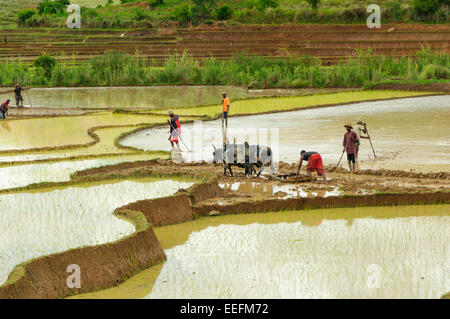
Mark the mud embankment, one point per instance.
(323, 202)
(101, 266)
(107, 265)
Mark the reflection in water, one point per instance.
(149, 97)
(323, 256)
(6, 126)
(279, 191)
(39, 224)
(402, 131)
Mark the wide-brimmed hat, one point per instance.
(224, 93)
(348, 125)
(170, 112)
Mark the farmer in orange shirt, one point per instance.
(225, 108)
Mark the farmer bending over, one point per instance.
(175, 129)
(314, 164)
(225, 109)
(4, 109)
(349, 143)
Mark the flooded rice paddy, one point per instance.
(279, 191)
(23, 175)
(153, 97)
(411, 133)
(35, 224)
(384, 252)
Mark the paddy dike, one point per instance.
(359, 183)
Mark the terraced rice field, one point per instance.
(68, 218)
(328, 42)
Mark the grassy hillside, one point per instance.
(145, 13)
(10, 8)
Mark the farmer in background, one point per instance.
(314, 164)
(175, 128)
(349, 143)
(361, 132)
(225, 109)
(18, 92)
(4, 109)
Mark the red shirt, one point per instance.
(352, 138)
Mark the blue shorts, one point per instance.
(225, 115)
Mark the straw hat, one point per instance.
(170, 112)
(348, 125)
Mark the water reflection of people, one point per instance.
(6, 126)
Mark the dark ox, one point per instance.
(245, 156)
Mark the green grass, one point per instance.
(252, 71)
(260, 105)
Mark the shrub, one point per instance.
(46, 63)
(24, 15)
(202, 9)
(224, 12)
(156, 3)
(434, 71)
(139, 14)
(314, 3)
(182, 14)
(263, 4)
(428, 7)
(57, 7)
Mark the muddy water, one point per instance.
(144, 97)
(336, 253)
(41, 223)
(279, 191)
(408, 133)
(23, 175)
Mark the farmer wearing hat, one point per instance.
(175, 128)
(225, 109)
(349, 143)
(4, 109)
(314, 164)
(360, 130)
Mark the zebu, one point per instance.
(245, 156)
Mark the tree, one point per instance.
(428, 7)
(46, 63)
(314, 3)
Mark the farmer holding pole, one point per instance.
(225, 109)
(18, 93)
(349, 143)
(361, 132)
(175, 129)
